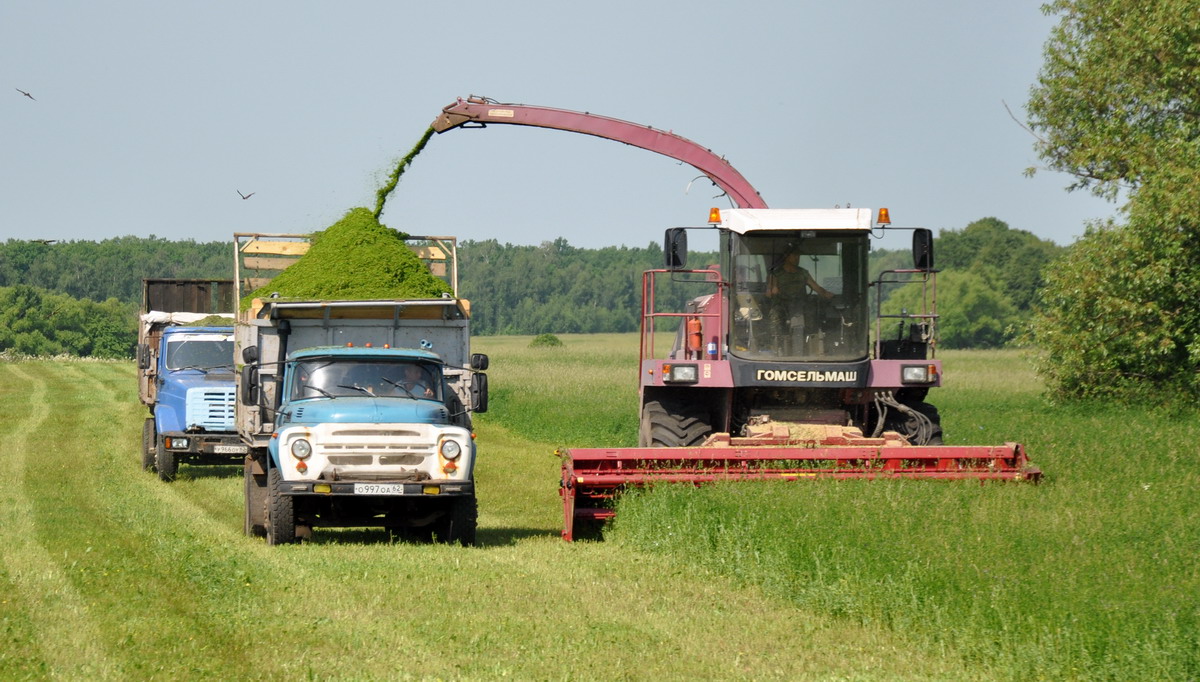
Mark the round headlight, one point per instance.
(451, 449)
(301, 449)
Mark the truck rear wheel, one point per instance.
(281, 517)
(164, 461)
(149, 443)
(255, 524)
(459, 524)
(667, 424)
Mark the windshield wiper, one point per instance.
(402, 388)
(318, 389)
(358, 388)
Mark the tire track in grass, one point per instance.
(68, 639)
(159, 569)
(213, 591)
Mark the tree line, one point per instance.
(991, 274)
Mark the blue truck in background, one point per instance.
(357, 413)
(185, 379)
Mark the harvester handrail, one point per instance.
(649, 314)
(928, 280)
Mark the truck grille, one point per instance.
(211, 409)
(364, 449)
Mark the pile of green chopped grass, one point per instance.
(212, 321)
(356, 258)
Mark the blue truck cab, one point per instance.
(359, 414)
(186, 379)
(367, 436)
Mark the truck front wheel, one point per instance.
(164, 461)
(459, 524)
(281, 517)
(149, 443)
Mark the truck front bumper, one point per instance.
(205, 448)
(408, 489)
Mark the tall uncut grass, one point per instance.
(1093, 574)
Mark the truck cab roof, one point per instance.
(364, 352)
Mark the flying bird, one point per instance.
(244, 196)
(25, 93)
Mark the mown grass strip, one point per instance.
(67, 639)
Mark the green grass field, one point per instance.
(107, 573)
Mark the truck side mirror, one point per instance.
(250, 384)
(250, 355)
(675, 249)
(143, 356)
(479, 393)
(479, 362)
(922, 249)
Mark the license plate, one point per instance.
(378, 488)
(229, 449)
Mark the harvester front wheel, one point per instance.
(925, 429)
(666, 424)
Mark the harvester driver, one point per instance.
(788, 300)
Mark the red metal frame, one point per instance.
(481, 111)
(592, 477)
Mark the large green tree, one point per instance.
(1117, 106)
(1014, 261)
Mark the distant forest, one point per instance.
(82, 297)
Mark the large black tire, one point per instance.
(149, 443)
(281, 517)
(668, 424)
(255, 523)
(910, 428)
(164, 461)
(459, 524)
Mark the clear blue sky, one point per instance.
(150, 116)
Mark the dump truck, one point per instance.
(185, 374)
(783, 366)
(357, 413)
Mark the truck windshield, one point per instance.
(799, 296)
(200, 351)
(343, 378)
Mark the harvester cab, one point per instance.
(783, 334)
